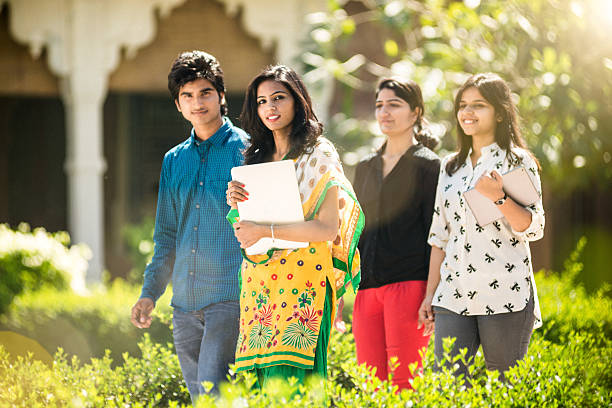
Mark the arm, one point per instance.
(492, 186)
(323, 228)
(426, 316)
(528, 223)
(439, 230)
(159, 271)
(430, 185)
(518, 217)
(535, 230)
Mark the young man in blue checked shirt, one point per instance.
(194, 244)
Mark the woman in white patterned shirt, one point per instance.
(480, 288)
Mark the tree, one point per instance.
(555, 55)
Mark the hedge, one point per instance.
(86, 325)
(32, 260)
(575, 373)
(567, 363)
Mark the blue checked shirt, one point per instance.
(194, 243)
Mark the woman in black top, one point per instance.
(396, 187)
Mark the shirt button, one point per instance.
(191, 273)
(193, 251)
(201, 183)
(195, 228)
(197, 205)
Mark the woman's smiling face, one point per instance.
(476, 115)
(275, 105)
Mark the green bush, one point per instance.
(86, 325)
(567, 307)
(575, 374)
(567, 364)
(138, 239)
(551, 375)
(151, 380)
(30, 261)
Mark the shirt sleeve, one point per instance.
(535, 230)
(430, 183)
(358, 179)
(159, 271)
(439, 231)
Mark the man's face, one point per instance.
(200, 103)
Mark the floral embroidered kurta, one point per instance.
(487, 269)
(282, 295)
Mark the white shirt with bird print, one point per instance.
(486, 269)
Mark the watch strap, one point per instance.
(501, 200)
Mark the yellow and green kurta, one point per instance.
(283, 294)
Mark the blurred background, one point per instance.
(85, 115)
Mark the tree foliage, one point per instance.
(555, 55)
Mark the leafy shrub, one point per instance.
(86, 325)
(30, 261)
(138, 239)
(554, 375)
(567, 364)
(566, 306)
(151, 380)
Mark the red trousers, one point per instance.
(385, 326)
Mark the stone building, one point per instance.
(85, 114)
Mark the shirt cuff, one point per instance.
(146, 293)
(437, 241)
(535, 230)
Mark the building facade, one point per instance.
(85, 115)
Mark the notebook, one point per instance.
(517, 185)
(274, 198)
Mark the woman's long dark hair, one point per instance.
(305, 129)
(507, 132)
(410, 92)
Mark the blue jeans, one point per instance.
(205, 342)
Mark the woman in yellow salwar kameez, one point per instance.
(288, 298)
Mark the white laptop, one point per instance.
(517, 185)
(274, 198)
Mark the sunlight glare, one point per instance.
(602, 9)
(577, 9)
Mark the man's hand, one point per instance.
(141, 313)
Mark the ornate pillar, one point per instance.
(83, 39)
(83, 98)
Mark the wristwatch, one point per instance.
(502, 200)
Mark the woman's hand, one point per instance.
(248, 233)
(426, 316)
(338, 322)
(235, 193)
(491, 186)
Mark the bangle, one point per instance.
(272, 231)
